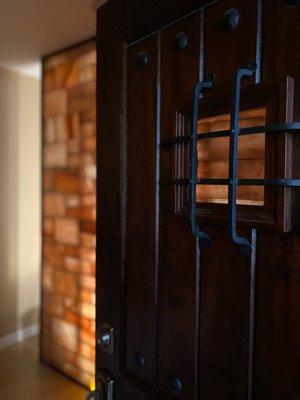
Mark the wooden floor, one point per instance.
(23, 377)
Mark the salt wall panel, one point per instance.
(69, 212)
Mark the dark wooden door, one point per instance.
(176, 317)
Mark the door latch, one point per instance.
(105, 338)
(104, 387)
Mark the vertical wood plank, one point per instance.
(225, 319)
(142, 212)
(234, 47)
(179, 268)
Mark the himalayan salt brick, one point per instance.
(49, 130)
(87, 296)
(88, 267)
(87, 324)
(87, 74)
(74, 125)
(86, 351)
(79, 104)
(87, 254)
(48, 175)
(88, 226)
(88, 214)
(93, 326)
(72, 264)
(72, 79)
(69, 357)
(65, 283)
(55, 103)
(73, 201)
(53, 304)
(88, 200)
(65, 333)
(66, 183)
(56, 60)
(67, 231)
(52, 255)
(85, 364)
(54, 205)
(55, 155)
(48, 226)
(70, 303)
(89, 144)
(87, 310)
(87, 186)
(74, 212)
(88, 240)
(90, 171)
(89, 115)
(48, 278)
(71, 317)
(73, 160)
(61, 127)
(87, 282)
(87, 59)
(88, 129)
(86, 378)
(82, 93)
(71, 251)
(86, 337)
(61, 73)
(73, 146)
(88, 159)
(48, 80)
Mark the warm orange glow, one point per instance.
(92, 386)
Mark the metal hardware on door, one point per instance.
(248, 71)
(207, 83)
(180, 42)
(93, 396)
(175, 385)
(142, 60)
(233, 181)
(104, 387)
(105, 338)
(230, 20)
(139, 360)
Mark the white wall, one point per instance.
(19, 201)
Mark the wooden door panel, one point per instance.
(277, 356)
(179, 265)
(225, 318)
(142, 212)
(193, 314)
(228, 50)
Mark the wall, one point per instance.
(69, 212)
(19, 204)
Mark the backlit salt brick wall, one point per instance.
(69, 212)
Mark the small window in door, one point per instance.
(213, 159)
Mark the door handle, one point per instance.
(196, 231)
(105, 387)
(233, 181)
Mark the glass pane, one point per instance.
(213, 158)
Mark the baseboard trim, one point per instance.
(19, 336)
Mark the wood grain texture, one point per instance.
(142, 212)
(237, 47)
(178, 293)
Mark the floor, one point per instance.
(23, 377)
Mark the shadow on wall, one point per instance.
(19, 201)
